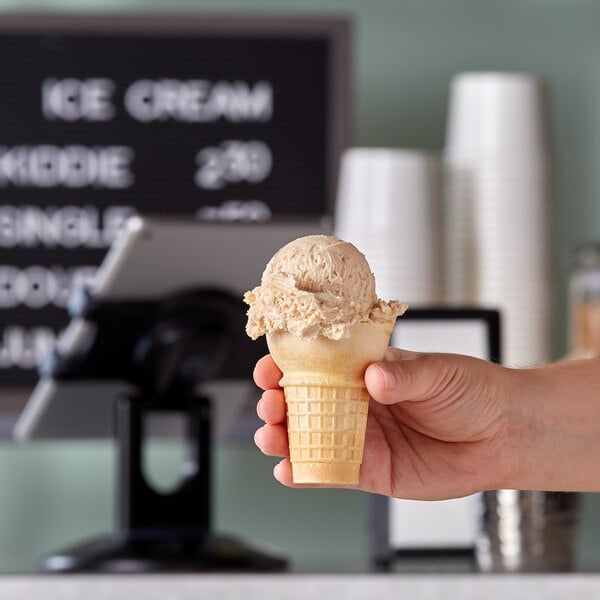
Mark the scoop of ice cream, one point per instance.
(316, 285)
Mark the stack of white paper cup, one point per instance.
(498, 209)
(389, 206)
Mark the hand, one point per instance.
(437, 425)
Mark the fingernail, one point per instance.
(257, 436)
(389, 379)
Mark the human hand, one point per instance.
(436, 425)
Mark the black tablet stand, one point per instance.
(165, 350)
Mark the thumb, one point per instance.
(408, 377)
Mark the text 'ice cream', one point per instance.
(324, 324)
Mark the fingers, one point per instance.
(272, 440)
(266, 373)
(410, 376)
(271, 407)
(283, 472)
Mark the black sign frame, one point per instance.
(335, 30)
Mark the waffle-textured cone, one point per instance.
(327, 402)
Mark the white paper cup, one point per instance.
(382, 189)
(389, 206)
(496, 114)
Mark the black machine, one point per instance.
(161, 320)
(166, 350)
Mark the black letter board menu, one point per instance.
(221, 119)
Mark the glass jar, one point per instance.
(584, 302)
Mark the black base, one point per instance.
(163, 554)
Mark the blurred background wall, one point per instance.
(404, 55)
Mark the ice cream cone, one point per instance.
(318, 307)
(327, 402)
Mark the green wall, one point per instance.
(404, 55)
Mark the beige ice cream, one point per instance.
(317, 285)
(324, 324)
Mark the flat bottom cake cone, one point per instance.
(326, 430)
(327, 402)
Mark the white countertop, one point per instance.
(301, 587)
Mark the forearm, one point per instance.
(553, 432)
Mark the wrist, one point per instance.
(513, 431)
(552, 428)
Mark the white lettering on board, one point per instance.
(37, 286)
(78, 99)
(48, 166)
(233, 161)
(25, 347)
(199, 100)
(61, 227)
